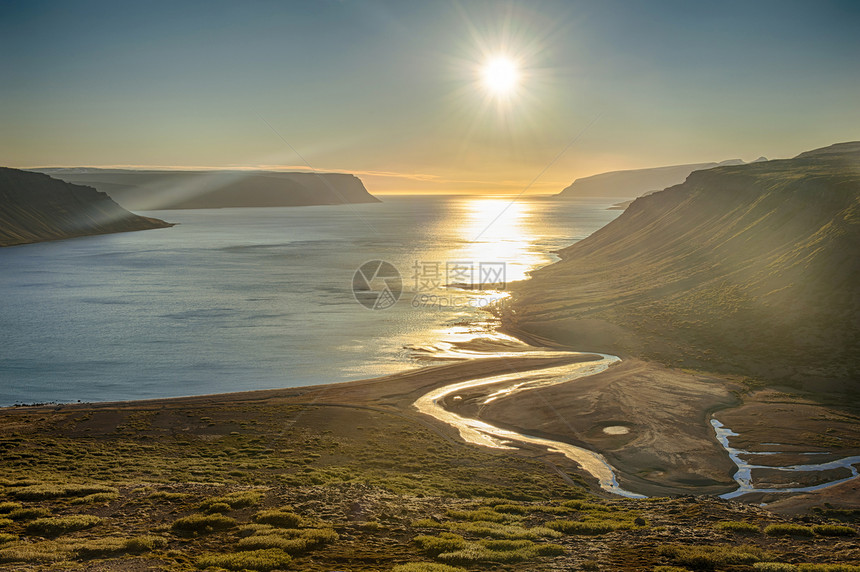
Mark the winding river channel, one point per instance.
(482, 433)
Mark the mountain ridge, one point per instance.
(35, 207)
(749, 269)
(158, 190)
(631, 183)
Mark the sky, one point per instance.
(392, 91)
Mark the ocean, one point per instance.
(243, 299)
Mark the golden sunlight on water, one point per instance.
(497, 229)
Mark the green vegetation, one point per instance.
(280, 518)
(833, 530)
(788, 530)
(245, 490)
(61, 524)
(588, 527)
(708, 557)
(203, 523)
(738, 527)
(261, 560)
(426, 567)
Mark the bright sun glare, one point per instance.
(500, 76)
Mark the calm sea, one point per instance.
(240, 299)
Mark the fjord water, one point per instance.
(242, 299)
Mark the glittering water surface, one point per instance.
(239, 299)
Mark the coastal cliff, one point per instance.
(35, 208)
(635, 182)
(156, 190)
(749, 269)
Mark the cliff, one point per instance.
(635, 182)
(155, 190)
(35, 207)
(752, 269)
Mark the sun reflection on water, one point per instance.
(497, 229)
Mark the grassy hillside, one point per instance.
(35, 207)
(751, 269)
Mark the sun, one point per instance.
(500, 76)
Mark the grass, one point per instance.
(290, 541)
(738, 527)
(774, 567)
(426, 567)
(7, 507)
(280, 518)
(588, 527)
(833, 530)
(786, 529)
(28, 513)
(710, 557)
(51, 491)
(96, 498)
(477, 515)
(828, 568)
(112, 546)
(234, 500)
(445, 542)
(203, 523)
(260, 560)
(61, 524)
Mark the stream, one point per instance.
(485, 434)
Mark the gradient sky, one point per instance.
(390, 90)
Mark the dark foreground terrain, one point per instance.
(345, 478)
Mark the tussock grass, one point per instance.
(260, 560)
(669, 569)
(44, 492)
(29, 513)
(113, 546)
(7, 507)
(788, 530)
(169, 496)
(445, 542)
(4, 538)
(203, 523)
(583, 505)
(290, 541)
(828, 568)
(61, 524)
(833, 530)
(738, 527)
(95, 498)
(426, 567)
(588, 527)
(501, 551)
(6, 522)
(476, 515)
(279, 518)
(709, 557)
(49, 551)
(234, 500)
(498, 530)
(774, 567)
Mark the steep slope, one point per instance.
(154, 190)
(35, 208)
(752, 269)
(635, 182)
